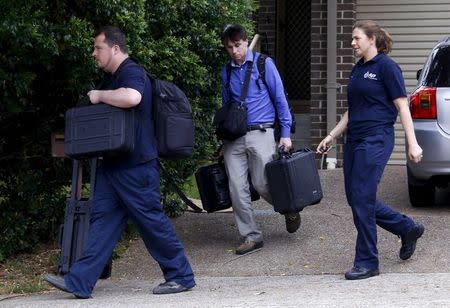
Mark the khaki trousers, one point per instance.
(248, 154)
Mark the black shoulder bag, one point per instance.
(230, 120)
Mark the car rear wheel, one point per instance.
(421, 193)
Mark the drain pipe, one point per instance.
(332, 85)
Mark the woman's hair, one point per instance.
(383, 40)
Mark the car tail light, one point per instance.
(422, 103)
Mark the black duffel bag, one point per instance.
(230, 121)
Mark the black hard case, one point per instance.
(212, 183)
(294, 181)
(98, 130)
(74, 232)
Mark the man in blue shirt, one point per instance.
(251, 152)
(127, 186)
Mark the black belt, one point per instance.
(261, 127)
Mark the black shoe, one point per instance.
(248, 246)
(59, 283)
(361, 273)
(409, 241)
(169, 287)
(292, 222)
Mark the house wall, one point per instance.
(346, 10)
(344, 62)
(266, 23)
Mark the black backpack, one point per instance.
(172, 116)
(174, 124)
(261, 66)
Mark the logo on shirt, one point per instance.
(370, 75)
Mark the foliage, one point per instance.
(46, 67)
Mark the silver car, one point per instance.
(430, 110)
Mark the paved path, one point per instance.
(304, 269)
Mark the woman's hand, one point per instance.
(415, 153)
(325, 145)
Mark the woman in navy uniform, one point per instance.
(376, 95)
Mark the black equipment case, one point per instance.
(73, 233)
(294, 181)
(212, 183)
(98, 130)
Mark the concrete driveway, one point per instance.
(292, 270)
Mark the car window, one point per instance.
(437, 69)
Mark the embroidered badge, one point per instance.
(369, 75)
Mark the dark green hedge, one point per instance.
(46, 67)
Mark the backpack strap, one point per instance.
(261, 65)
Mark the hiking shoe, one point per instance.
(292, 222)
(409, 241)
(248, 246)
(169, 287)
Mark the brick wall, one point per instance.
(346, 14)
(266, 18)
(345, 18)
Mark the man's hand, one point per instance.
(94, 96)
(286, 143)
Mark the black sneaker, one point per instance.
(409, 241)
(59, 283)
(169, 287)
(293, 221)
(357, 273)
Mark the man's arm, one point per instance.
(277, 94)
(122, 97)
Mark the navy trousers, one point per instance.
(364, 163)
(128, 193)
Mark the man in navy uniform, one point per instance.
(127, 186)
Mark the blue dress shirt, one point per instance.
(260, 108)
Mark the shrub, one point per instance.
(46, 67)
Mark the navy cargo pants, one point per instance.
(128, 193)
(364, 163)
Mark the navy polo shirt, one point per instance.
(372, 88)
(131, 75)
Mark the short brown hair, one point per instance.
(233, 32)
(113, 36)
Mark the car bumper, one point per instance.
(435, 144)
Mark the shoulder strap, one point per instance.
(227, 84)
(248, 73)
(171, 182)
